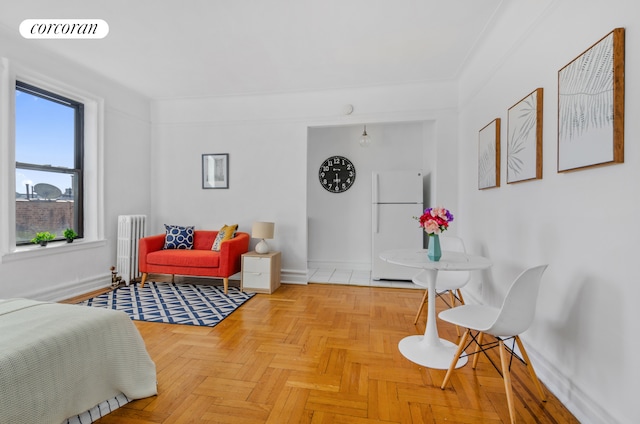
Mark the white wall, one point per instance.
(121, 175)
(583, 224)
(340, 223)
(266, 137)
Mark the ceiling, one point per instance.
(194, 48)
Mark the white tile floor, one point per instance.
(354, 278)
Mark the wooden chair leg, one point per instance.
(452, 299)
(506, 375)
(532, 373)
(173, 278)
(424, 300)
(460, 297)
(455, 359)
(476, 353)
(144, 278)
(226, 285)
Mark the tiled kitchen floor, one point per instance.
(354, 278)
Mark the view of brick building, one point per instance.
(33, 216)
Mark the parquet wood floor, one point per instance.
(321, 354)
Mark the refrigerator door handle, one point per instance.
(374, 192)
(376, 219)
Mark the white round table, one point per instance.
(430, 350)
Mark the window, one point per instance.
(49, 130)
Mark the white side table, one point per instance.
(260, 272)
(430, 350)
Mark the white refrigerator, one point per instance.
(396, 199)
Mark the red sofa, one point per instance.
(199, 261)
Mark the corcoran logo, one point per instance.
(64, 28)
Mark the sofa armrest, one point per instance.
(147, 245)
(231, 254)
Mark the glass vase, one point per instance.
(433, 250)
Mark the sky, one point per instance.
(44, 136)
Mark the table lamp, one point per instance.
(262, 230)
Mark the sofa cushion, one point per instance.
(226, 232)
(185, 258)
(178, 237)
(203, 239)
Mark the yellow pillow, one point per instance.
(226, 232)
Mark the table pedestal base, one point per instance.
(432, 355)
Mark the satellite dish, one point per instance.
(47, 191)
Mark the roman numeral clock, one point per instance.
(337, 174)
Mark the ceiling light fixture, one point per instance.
(365, 139)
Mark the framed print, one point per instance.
(591, 106)
(524, 139)
(489, 155)
(215, 170)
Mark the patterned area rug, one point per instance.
(173, 303)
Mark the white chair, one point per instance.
(504, 323)
(448, 281)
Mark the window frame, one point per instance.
(78, 168)
(94, 168)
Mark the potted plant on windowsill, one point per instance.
(43, 238)
(70, 235)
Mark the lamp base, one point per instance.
(262, 247)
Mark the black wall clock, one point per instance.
(337, 174)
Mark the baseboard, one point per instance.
(585, 408)
(291, 276)
(67, 290)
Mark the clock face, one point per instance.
(337, 174)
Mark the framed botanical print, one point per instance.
(524, 139)
(489, 155)
(591, 106)
(215, 170)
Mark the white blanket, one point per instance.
(59, 360)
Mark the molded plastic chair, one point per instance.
(504, 323)
(448, 281)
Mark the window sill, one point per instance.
(53, 248)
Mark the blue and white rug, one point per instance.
(173, 303)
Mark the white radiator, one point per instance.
(131, 228)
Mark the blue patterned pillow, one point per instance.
(178, 237)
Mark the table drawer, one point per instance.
(257, 280)
(260, 265)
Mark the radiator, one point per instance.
(131, 228)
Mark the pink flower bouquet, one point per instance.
(435, 220)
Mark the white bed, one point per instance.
(58, 360)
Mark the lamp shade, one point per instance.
(262, 230)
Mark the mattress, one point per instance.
(59, 360)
